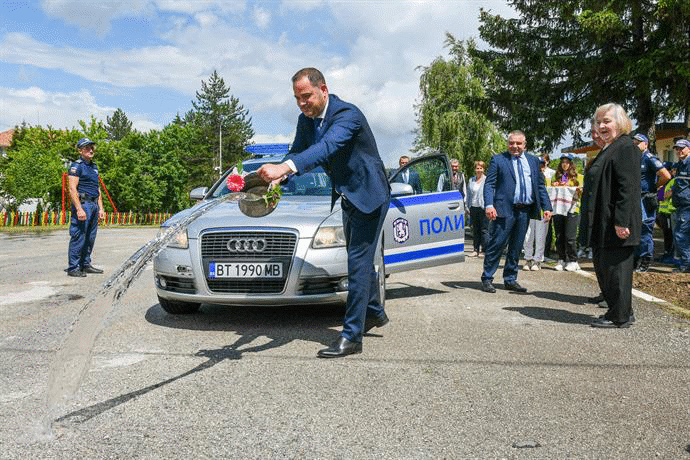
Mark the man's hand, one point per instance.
(81, 214)
(622, 232)
(270, 172)
(491, 213)
(547, 216)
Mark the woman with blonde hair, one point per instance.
(611, 213)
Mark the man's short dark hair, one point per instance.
(315, 76)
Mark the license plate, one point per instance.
(245, 270)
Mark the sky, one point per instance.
(62, 61)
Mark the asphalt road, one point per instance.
(457, 373)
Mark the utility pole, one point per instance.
(220, 148)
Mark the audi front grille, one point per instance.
(256, 246)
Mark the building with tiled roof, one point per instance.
(6, 141)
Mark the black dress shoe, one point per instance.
(514, 286)
(597, 299)
(631, 320)
(76, 273)
(371, 323)
(605, 323)
(488, 287)
(92, 269)
(339, 348)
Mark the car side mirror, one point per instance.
(198, 193)
(400, 189)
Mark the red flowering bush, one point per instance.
(235, 183)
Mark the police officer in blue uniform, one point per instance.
(87, 208)
(680, 197)
(651, 168)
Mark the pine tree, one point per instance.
(118, 126)
(220, 117)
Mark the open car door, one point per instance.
(425, 224)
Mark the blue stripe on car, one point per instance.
(423, 253)
(414, 200)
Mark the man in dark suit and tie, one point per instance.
(335, 134)
(409, 176)
(514, 193)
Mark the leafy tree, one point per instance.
(132, 181)
(217, 114)
(560, 60)
(39, 156)
(34, 166)
(118, 126)
(150, 171)
(451, 116)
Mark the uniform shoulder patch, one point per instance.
(75, 167)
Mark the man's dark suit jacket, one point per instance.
(413, 180)
(499, 187)
(347, 150)
(611, 195)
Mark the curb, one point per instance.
(635, 292)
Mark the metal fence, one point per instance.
(53, 218)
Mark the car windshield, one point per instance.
(314, 183)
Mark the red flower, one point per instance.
(235, 183)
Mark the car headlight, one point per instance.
(329, 237)
(180, 240)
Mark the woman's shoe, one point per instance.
(572, 267)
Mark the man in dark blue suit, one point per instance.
(514, 193)
(408, 176)
(335, 135)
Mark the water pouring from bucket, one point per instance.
(255, 197)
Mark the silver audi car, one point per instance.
(296, 254)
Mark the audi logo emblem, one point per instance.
(246, 245)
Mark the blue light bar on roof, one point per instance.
(267, 149)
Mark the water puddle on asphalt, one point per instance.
(72, 359)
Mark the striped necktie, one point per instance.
(523, 186)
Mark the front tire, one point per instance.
(174, 307)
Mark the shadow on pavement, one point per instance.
(410, 291)
(280, 325)
(559, 297)
(463, 284)
(553, 314)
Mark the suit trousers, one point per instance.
(362, 232)
(614, 269)
(508, 230)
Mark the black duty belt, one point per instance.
(88, 198)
